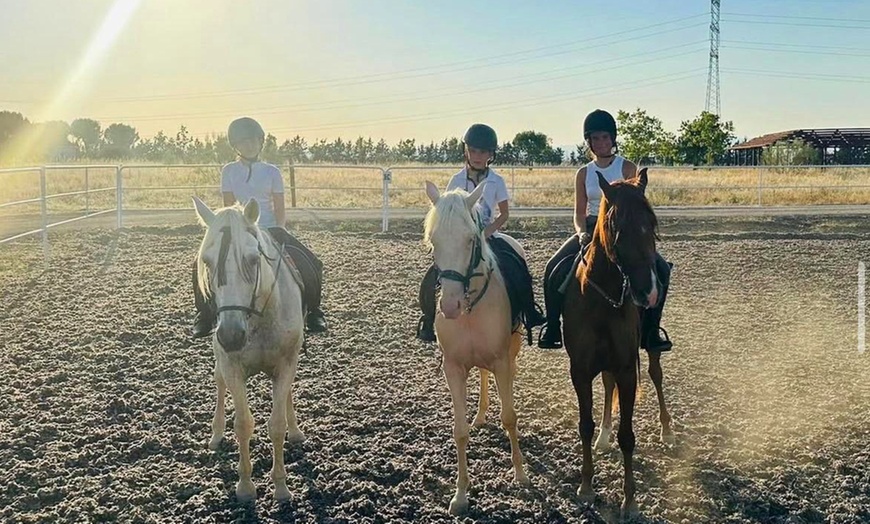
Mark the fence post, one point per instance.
(43, 204)
(292, 171)
(760, 184)
(87, 193)
(513, 187)
(385, 221)
(119, 195)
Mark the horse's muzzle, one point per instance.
(231, 339)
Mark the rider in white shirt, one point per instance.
(480, 144)
(248, 178)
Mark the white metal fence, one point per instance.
(374, 188)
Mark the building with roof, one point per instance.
(834, 145)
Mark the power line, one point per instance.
(811, 46)
(490, 86)
(799, 51)
(789, 17)
(797, 24)
(479, 63)
(801, 75)
(560, 97)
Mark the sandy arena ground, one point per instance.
(105, 403)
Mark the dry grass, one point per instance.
(151, 187)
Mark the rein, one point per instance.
(615, 303)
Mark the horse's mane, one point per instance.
(230, 219)
(451, 213)
(630, 207)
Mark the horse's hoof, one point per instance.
(458, 504)
(586, 497)
(246, 491)
(668, 438)
(602, 444)
(282, 494)
(629, 512)
(522, 479)
(295, 437)
(479, 422)
(215, 442)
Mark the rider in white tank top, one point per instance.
(611, 173)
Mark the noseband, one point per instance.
(250, 309)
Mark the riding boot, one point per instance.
(428, 290)
(204, 321)
(653, 337)
(316, 321)
(551, 333)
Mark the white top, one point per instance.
(494, 192)
(258, 181)
(611, 173)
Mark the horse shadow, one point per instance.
(307, 499)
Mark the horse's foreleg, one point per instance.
(457, 382)
(483, 403)
(602, 443)
(504, 381)
(583, 387)
(219, 422)
(243, 424)
(627, 383)
(655, 373)
(294, 434)
(281, 386)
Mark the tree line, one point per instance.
(703, 140)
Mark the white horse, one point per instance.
(260, 329)
(474, 327)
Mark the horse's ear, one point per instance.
(475, 195)
(432, 192)
(206, 215)
(603, 184)
(252, 211)
(642, 180)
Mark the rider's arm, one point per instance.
(278, 206)
(629, 169)
(229, 198)
(503, 214)
(580, 201)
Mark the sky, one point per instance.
(426, 70)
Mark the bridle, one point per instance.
(250, 309)
(465, 278)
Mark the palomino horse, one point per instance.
(601, 329)
(474, 328)
(260, 323)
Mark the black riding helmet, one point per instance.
(481, 136)
(599, 120)
(243, 128)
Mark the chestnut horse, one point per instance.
(601, 316)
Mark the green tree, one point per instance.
(532, 148)
(118, 141)
(296, 150)
(11, 124)
(705, 139)
(86, 134)
(643, 139)
(406, 150)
